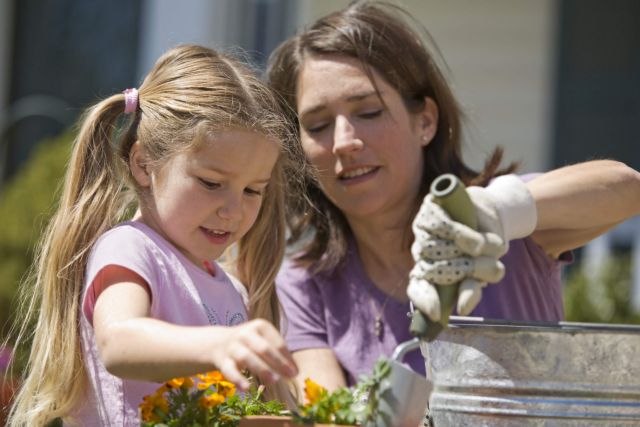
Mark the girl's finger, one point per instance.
(247, 358)
(232, 373)
(275, 356)
(272, 348)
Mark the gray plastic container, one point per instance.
(496, 373)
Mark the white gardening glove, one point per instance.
(447, 252)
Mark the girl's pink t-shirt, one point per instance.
(181, 293)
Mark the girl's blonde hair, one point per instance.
(190, 93)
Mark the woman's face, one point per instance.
(368, 153)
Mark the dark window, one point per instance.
(598, 92)
(66, 54)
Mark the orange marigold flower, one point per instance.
(161, 403)
(226, 388)
(150, 403)
(146, 410)
(147, 415)
(313, 391)
(188, 382)
(209, 379)
(184, 382)
(212, 400)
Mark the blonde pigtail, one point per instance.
(92, 199)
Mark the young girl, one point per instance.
(121, 306)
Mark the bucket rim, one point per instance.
(461, 322)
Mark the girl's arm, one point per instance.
(135, 346)
(321, 366)
(577, 203)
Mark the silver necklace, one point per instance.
(378, 324)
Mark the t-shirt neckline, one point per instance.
(379, 295)
(186, 261)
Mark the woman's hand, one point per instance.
(256, 346)
(321, 365)
(448, 252)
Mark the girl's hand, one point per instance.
(256, 346)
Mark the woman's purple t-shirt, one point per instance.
(337, 310)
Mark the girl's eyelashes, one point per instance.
(212, 185)
(253, 192)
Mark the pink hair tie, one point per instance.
(130, 100)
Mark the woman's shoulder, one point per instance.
(294, 271)
(297, 277)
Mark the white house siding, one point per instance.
(166, 23)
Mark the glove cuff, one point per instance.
(515, 205)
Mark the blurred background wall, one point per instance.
(552, 81)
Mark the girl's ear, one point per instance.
(139, 165)
(427, 121)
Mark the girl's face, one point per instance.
(368, 153)
(204, 200)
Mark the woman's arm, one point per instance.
(135, 346)
(578, 203)
(321, 366)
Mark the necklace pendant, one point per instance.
(378, 327)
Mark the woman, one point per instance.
(378, 122)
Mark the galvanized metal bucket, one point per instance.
(496, 373)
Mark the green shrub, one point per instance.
(604, 299)
(27, 202)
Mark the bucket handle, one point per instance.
(405, 347)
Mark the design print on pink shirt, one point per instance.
(235, 319)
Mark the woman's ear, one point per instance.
(427, 121)
(139, 165)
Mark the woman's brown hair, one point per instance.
(382, 37)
